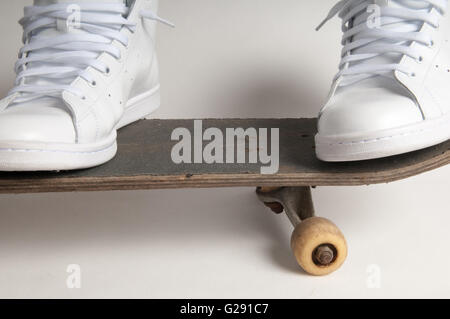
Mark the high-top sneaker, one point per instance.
(392, 93)
(87, 68)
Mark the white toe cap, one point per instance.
(36, 122)
(359, 110)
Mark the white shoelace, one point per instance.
(398, 28)
(47, 65)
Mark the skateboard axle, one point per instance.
(324, 255)
(318, 244)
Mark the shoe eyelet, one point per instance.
(432, 43)
(420, 59)
(108, 71)
(413, 75)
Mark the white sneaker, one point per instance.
(392, 93)
(87, 69)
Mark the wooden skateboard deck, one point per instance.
(144, 162)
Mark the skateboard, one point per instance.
(145, 160)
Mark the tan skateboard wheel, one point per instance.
(319, 246)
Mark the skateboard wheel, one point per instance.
(319, 246)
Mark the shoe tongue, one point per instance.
(395, 24)
(60, 29)
(50, 2)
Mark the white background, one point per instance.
(226, 58)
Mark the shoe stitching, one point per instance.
(384, 137)
(54, 151)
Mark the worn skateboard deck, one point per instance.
(144, 162)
